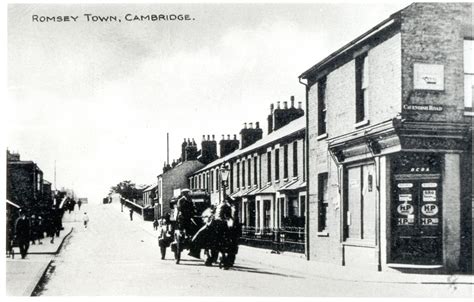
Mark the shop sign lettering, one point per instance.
(429, 185)
(429, 209)
(404, 197)
(405, 209)
(420, 169)
(429, 195)
(405, 221)
(405, 185)
(429, 221)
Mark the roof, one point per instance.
(241, 193)
(356, 42)
(268, 189)
(294, 185)
(292, 127)
(150, 187)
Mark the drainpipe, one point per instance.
(307, 221)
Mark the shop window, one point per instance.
(295, 159)
(362, 85)
(322, 106)
(360, 203)
(269, 166)
(211, 181)
(468, 74)
(322, 201)
(277, 164)
(285, 161)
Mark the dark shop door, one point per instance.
(416, 220)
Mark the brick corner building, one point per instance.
(390, 144)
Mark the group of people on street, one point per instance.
(31, 230)
(217, 233)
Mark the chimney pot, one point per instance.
(250, 125)
(299, 105)
(223, 136)
(228, 136)
(208, 137)
(292, 102)
(213, 137)
(271, 108)
(203, 137)
(257, 125)
(235, 136)
(285, 104)
(245, 125)
(278, 105)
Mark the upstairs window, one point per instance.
(277, 164)
(468, 74)
(238, 175)
(249, 164)
(285, 161)
(243, 174)
(322, 106)
(255, 176)
(362, 85)
(269, 166)
(295, 159)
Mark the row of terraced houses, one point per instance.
(378, 172)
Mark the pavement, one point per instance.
(295, 263)
(23, 275)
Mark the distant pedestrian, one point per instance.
(40, 229)
(131, 214)
(23, 233)
(155, 224)
(85, 218)
(79, 203)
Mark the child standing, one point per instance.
(85, 218)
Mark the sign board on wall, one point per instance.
(428, 76)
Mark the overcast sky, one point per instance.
(99, 98)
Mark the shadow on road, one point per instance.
(195, 262)
(258, 271)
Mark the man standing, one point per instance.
(79, 203)
(22, 233)
(131, 214)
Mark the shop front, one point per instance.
(416, 209)
(403, 194)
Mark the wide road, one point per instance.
(116, 256)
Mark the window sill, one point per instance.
(322, 234)
(285, 179)
(277, 181)
(361, 124)
(359, 243)
(322, 136)
(468, 113)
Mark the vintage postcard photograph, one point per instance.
(239, 149)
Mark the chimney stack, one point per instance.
(282, 117)
(228, 145)
(249, 136)
(208, 151)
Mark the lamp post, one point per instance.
(224, 179)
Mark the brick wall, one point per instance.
(433, 33)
